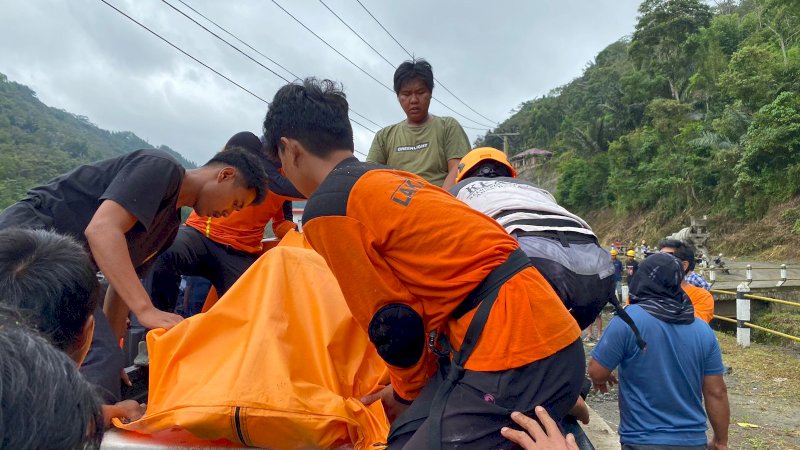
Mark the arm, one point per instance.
(601, 377)
(715, 395)
(452, 171)
(126, 411)
(106, 236)
(282, 220)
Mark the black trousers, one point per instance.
(194, 254)
(482, 402)
(104, 362)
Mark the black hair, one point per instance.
(250, 170)
(313, 112)
(45, 401)
(50, 279)
(413, 69)
(683, 251)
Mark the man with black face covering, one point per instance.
(662, 388)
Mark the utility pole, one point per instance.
(505, 139)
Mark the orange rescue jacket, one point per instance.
(243, 230)
(391, 237)
(702, 300)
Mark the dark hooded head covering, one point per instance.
(656, 288)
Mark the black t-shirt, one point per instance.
(630, 270)
(144, 182)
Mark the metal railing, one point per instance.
(748, 270)
(742, 321)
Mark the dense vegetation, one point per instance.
(38, 142)
(699, 109)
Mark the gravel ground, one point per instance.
(763, 386)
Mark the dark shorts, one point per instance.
(481, 403)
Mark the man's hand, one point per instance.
(392, 407)
(152, 318)
(580, 411)
(537, 439)
(126, 411)
(714, 445)
(603, 387)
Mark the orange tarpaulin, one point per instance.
(277, 362)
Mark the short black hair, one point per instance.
(46, 402)
(413, 69)
(250, 170)
(312, 111)
(50, 279)
(683, 251)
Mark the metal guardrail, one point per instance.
(712, 273)
(742, 321)
(757, 327)
(758, 297)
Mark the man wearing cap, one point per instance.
(631, 266)
(221, 249)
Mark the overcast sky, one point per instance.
(86, 58)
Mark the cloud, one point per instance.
(88, 59)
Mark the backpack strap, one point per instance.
(484, 297)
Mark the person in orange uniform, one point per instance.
(468, 329)
(221, 249)
(702, 300)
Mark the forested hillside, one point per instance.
(697, 110)
(38, 142)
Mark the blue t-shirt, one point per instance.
(661, 388)
(617, 270)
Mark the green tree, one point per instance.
(661, 41)
(769, 169)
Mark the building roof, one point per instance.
(531, 152)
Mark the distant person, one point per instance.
(44, 402)
(221, 249)
(617, 274)
(125, 211)
(663, 387)
(48, 280)
(631, 266)
(702, 300)
(423, 144)
(420, 272)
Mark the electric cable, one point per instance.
(249, 46)
(412, 57)
(209, 67)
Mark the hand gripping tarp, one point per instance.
(278, 362)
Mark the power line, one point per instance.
(392, 65)
(241, 41)
(331, 47)
(359, 36)
(206, 65)
(412, 56)
(298, 77)
(223, 40)
(182, 51)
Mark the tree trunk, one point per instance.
(674, 89)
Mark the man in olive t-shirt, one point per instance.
(426, 145)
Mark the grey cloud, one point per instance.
(86, 58)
